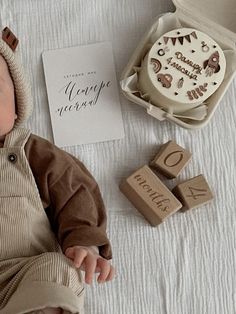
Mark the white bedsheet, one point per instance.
(187, 265)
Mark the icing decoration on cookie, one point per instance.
(197, 92)
(166, 40)
(205, 48)
(161, 52)
(181, 82)
(188, 38)
(165, 80)
(156, 65)
(195, 95)
(203, 87)
(173, 40)
(180, 39)
(190, 95)
(192, 68)
(212, 64)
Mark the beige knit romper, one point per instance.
(34, 273)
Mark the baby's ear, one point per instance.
(10, 38)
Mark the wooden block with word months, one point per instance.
(171, 159)
(150, 196)
(193, 193)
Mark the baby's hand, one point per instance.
(88, 260)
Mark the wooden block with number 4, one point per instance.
(171, 159)
(193, 193)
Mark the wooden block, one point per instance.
(150, 196)
(193, 193)
(171, 159)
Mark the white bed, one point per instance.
(187, 265)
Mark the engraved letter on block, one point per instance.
(150, 196)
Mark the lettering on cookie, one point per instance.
(182, 69)
(196, 67)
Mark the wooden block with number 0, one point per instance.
(193, 193)
(171, 159)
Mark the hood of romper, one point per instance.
(23, 97)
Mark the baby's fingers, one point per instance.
(111, 274)
(90, 266)
(79, 256)
(69, 253)
(105, 270)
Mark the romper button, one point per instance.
(12, 157)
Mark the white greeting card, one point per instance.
(83, 94)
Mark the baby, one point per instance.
(52, 217)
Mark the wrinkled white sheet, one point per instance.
(187, 265)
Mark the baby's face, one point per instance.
(7, 100)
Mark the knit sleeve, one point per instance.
(70, 196)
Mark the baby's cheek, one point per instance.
(7, 117)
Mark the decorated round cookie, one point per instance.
(182, 70)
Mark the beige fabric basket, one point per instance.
(213, 17)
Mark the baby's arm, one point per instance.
(71, 198)
(89, 260)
